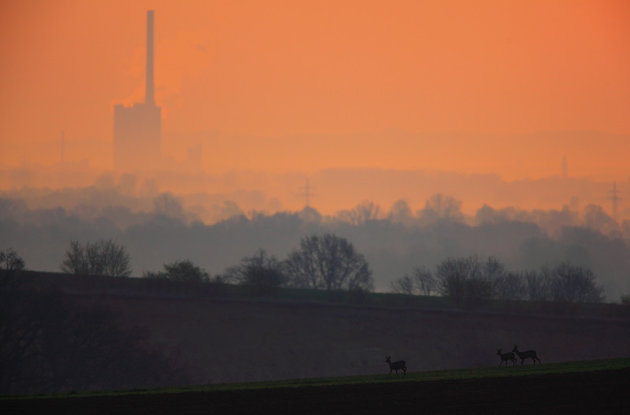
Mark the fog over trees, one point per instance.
(395, 241)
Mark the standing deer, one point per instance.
(396, 366)
(505, 357)
(530, 354)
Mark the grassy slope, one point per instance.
(571, 387)
(439, 375)
(583, 366)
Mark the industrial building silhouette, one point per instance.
(137, 129)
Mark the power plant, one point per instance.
(137, 129)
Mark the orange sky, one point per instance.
(470, 86)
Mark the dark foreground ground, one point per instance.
(598, 392)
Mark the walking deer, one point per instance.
(530, 354)
(396, 366)
(505, 357)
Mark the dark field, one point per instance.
(506, 391)
(223, 337)
(215, 341)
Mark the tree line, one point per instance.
(330, 262)
(471, 279)
(394, 241)
(326, 262)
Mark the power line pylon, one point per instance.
(307, 193)
(614, 197)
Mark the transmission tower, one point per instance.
(614, 197)
(307, 193)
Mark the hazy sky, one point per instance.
(472, 86)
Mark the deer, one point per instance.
(396, 366)
(530, 354)
(505, 357)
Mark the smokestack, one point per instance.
(148, 96)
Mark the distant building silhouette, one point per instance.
(137, 129)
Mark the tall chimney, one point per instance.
(148, 96)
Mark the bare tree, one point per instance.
(463, 280)
(10, 260)
(509, 286)
(115, 259)
(328, 262)
(104, 257)
(424, 281)
(575, 284)
(401, 213)
(261, 272)
(538, 285)
(75, 261)
(403, 285)
(441, 207)
(421, 282)
(364, 212)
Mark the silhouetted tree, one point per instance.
(538, 285)
(104, 257)
(364, 212)
(441, 207)
(261, 272)
(424, 280)
(463, 280)
(403, 285)
(486, 215)
(421, 282)
(10, 260)
(401, 213)
(505, 285)
(328, 262)
(181, 271)
(574, 284)
(509, 286)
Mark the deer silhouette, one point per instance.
(396, 366)
(530, 354)
(505, 357)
